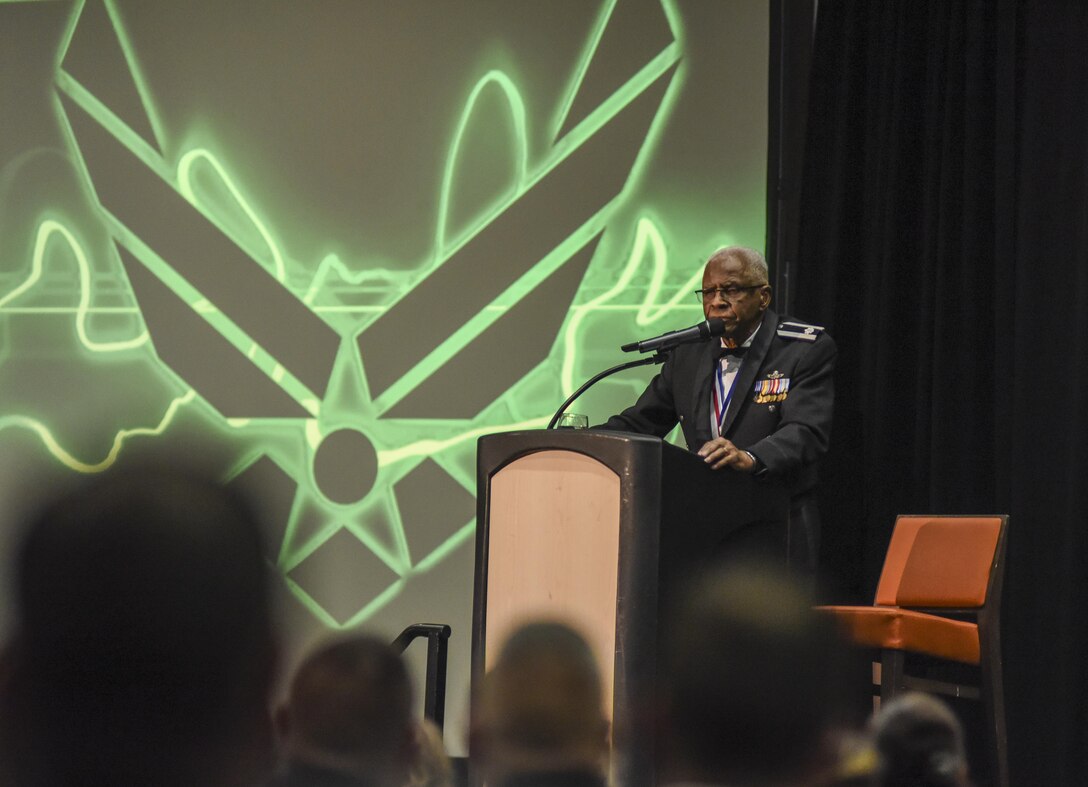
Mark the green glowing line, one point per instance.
(185, 186)
(399, 562)
(647, 239)
(429, 447)
(400, 537)
(521, 288)
(183, 182)
(69, 32)
(92, 105)
(580, 73)
(129, 310)
(376, 604)
(354, 309)
(292, 558)
(310, 604)
(589, 126)
(672, 15)
(612, 105)
(439, 554)
(521, 139)
(129, 52)
(66, 458)
(571, 142)
(180, 286)
(226, 327)
(67, 83)
(293, 555)
(360, 309)
(372, 607)
(313, 433)
(646, 234)
(443, 550)
(46, 230)
(333, 264)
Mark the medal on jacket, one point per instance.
(773, 389)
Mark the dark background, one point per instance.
(928, 205)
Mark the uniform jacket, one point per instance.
(781, 404)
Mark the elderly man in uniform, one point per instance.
(758, 401)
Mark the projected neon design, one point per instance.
(185, 186)
(49, 229)
(521, 157)
(401, 445)
(67, 459)
(648, 242)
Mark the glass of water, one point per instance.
(573, 421)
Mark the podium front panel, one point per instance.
(595, 527)
(554, 544)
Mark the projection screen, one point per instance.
(328, 244)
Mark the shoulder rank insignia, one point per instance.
(800, 330)
(773, 389)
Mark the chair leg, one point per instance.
(993, 698)
(891, 674)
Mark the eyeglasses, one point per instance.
(730, 293)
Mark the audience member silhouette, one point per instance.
(143, 651)
(536, 719)
(919, 743)
(348, 718)
(432, 766)
(752, 683)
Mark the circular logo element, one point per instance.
(345, 466)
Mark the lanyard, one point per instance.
(722, 398)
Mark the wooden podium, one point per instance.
(596, 528)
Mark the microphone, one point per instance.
(666, 341)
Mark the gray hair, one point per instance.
(752, 259)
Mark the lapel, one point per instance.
(700, 395)
(749, 369)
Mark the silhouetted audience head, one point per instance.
(349, 712)
(538, 710)
(752, 682)
(143, 652)
(919, 743)
(431, 767)
(854, 763)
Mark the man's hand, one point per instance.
(719, 453)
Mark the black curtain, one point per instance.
(943, 240)
(787, 99)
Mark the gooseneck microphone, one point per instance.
(696, 333)
(659, 346)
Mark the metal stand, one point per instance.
(658, 357)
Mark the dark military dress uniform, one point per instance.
(780, 411)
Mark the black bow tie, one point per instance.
(737, 352)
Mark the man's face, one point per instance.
(743, 312)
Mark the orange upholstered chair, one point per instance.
(938, 604)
